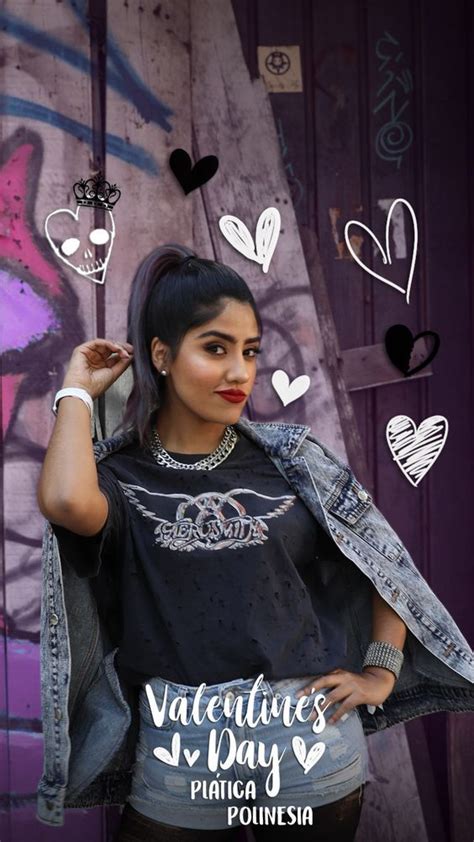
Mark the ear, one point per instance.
(159, 353)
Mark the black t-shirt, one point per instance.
(218, 569)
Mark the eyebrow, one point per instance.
(226, 336)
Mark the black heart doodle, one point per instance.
(191, 177)
(399, 344)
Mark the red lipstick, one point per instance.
(232, 395)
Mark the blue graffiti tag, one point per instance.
(16, 107)
(121, 77)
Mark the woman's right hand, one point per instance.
(95, 365)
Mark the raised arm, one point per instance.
(68, 491)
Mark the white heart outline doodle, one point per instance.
(307, 760)
(267, 232)
(75, 215)
(285, 390)
(417, 436)
(386, 256)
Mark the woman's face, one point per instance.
(219, 355)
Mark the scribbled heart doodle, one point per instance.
(399, 344)
(415, 450)
(386, 253)
(266, 236)
(190, 177)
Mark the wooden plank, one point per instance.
(448, 203)
(448, 196)
(365, 368)
(335, 360)
(45, 134)
(202, 242)
(295, 125)
(335, 110)
(390, 34)
(428, 786)
(151, 112)
(389, 164)
(392, 808)
(461, 766)
(240, 130)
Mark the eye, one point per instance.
(255, 351)
(210, 348)
(70, 246)
(99, 236)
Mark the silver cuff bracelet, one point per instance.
(382, 654)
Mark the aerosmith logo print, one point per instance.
(212, 520)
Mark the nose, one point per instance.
(237, 371)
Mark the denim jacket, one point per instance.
(90, 718)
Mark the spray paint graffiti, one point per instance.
(39, 329)
(395, 136)
(295, 185)
(34, 297)
(121, 77)
(342, 252)
(36, 303)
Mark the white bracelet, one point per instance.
(76, 393)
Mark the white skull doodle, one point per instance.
(76, 249)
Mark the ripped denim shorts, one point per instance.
(264, 765)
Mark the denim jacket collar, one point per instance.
(86, 764)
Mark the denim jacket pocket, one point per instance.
(352, 504)
(99, 727)
(349, 500)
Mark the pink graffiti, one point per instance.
(29, 283)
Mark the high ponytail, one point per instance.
(172, 291)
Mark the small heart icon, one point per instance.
(307, 761)
(386, 255)
(286, 391)
(415, 450)
(266, 236)
(191, 177)
(191, 757)
(171, 758)
(399, 344)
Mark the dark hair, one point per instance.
(172, 292)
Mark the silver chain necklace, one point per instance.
(208, 463)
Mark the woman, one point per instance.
(195, 529)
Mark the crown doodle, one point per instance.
(96, 192)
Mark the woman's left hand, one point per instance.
(369, 687)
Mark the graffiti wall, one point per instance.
(323, 114)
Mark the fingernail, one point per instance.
(344, 717)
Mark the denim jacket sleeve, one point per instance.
(364, 535)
